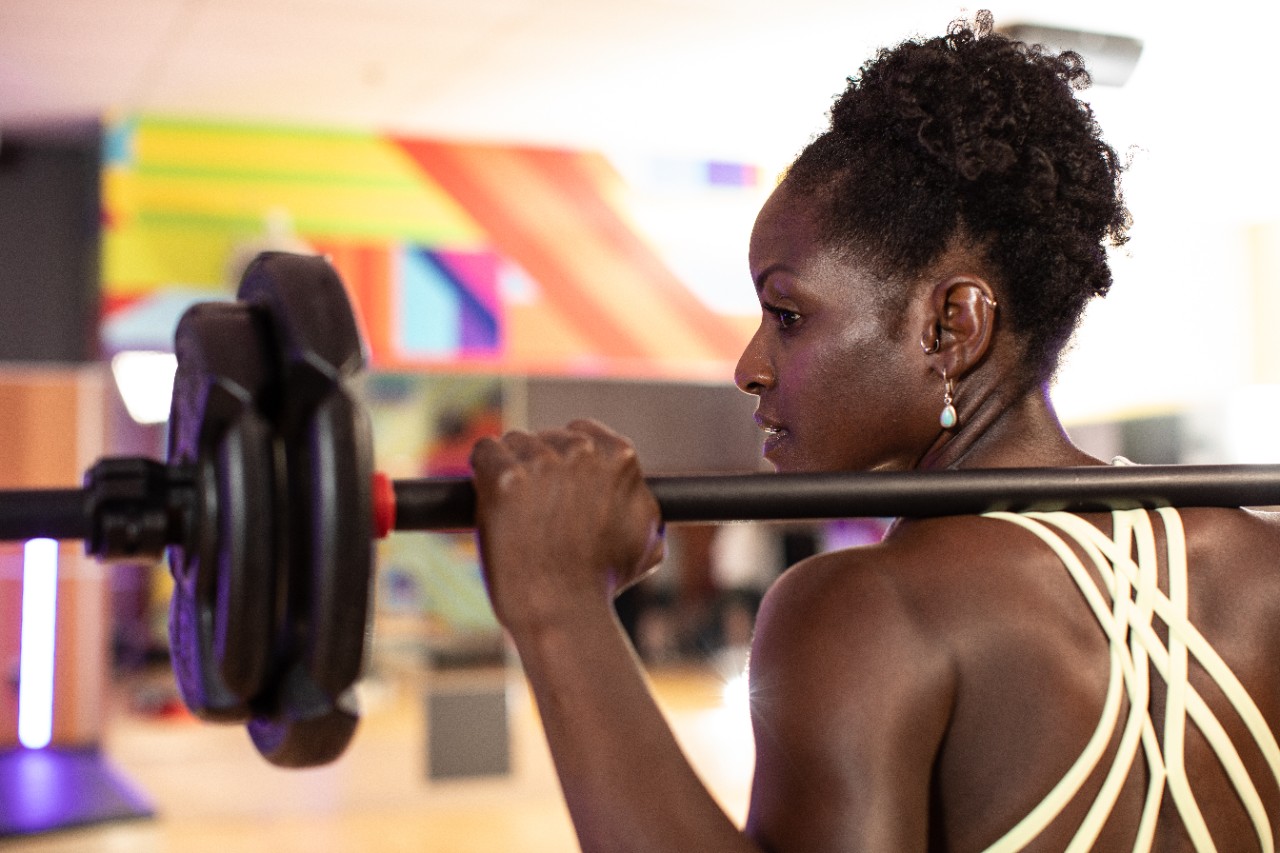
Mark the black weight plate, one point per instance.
(327, 444)
(307, 715)
(244, 612)
(312, 315)
(222, 609)
(341, 491)
(293, 739)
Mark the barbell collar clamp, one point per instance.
(128, 508)
(137, 507)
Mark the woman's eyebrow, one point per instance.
(763, 275)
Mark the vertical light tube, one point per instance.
(39, 620)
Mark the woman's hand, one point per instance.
(564, 519)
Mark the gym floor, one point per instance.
(212, 792)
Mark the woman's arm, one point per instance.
(626, 781)
(565, 522)
(850, 695)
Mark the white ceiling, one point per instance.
(743, 79)
(736, 79)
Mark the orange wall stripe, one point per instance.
(496, 192)
(579, 176)
(602, 257)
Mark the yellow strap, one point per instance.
(1062, 793)
(1127, 623)
(1182, 632)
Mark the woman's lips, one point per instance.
(772, 440)
(774, 434)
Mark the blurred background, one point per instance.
(541, 210)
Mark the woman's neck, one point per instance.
(998, 431)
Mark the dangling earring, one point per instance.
(948, 417)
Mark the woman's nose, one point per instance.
(754, 372)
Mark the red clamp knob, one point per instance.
(384, 505)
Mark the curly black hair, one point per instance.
(977, 137)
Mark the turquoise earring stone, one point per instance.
(948, 416)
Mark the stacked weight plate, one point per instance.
(270, 608)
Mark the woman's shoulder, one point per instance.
(1231, 524)
(933, 550)
(926, 585)
(1235, 553)
(911, 584)
(841, 626)
(931, 575)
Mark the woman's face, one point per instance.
(843, 384)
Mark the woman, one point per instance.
(968, 682)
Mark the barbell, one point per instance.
(269, 506)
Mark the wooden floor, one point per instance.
(213, 793)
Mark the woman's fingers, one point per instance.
(563, 512)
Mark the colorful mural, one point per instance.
(460, 258)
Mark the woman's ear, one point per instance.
(962, 322)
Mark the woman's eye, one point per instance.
(781, 316)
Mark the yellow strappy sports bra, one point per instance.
(1125, 608)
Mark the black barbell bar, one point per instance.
(45, 514)
(449, 502)
(155, 500)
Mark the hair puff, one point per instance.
(974, 136)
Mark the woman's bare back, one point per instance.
(1005, 652)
